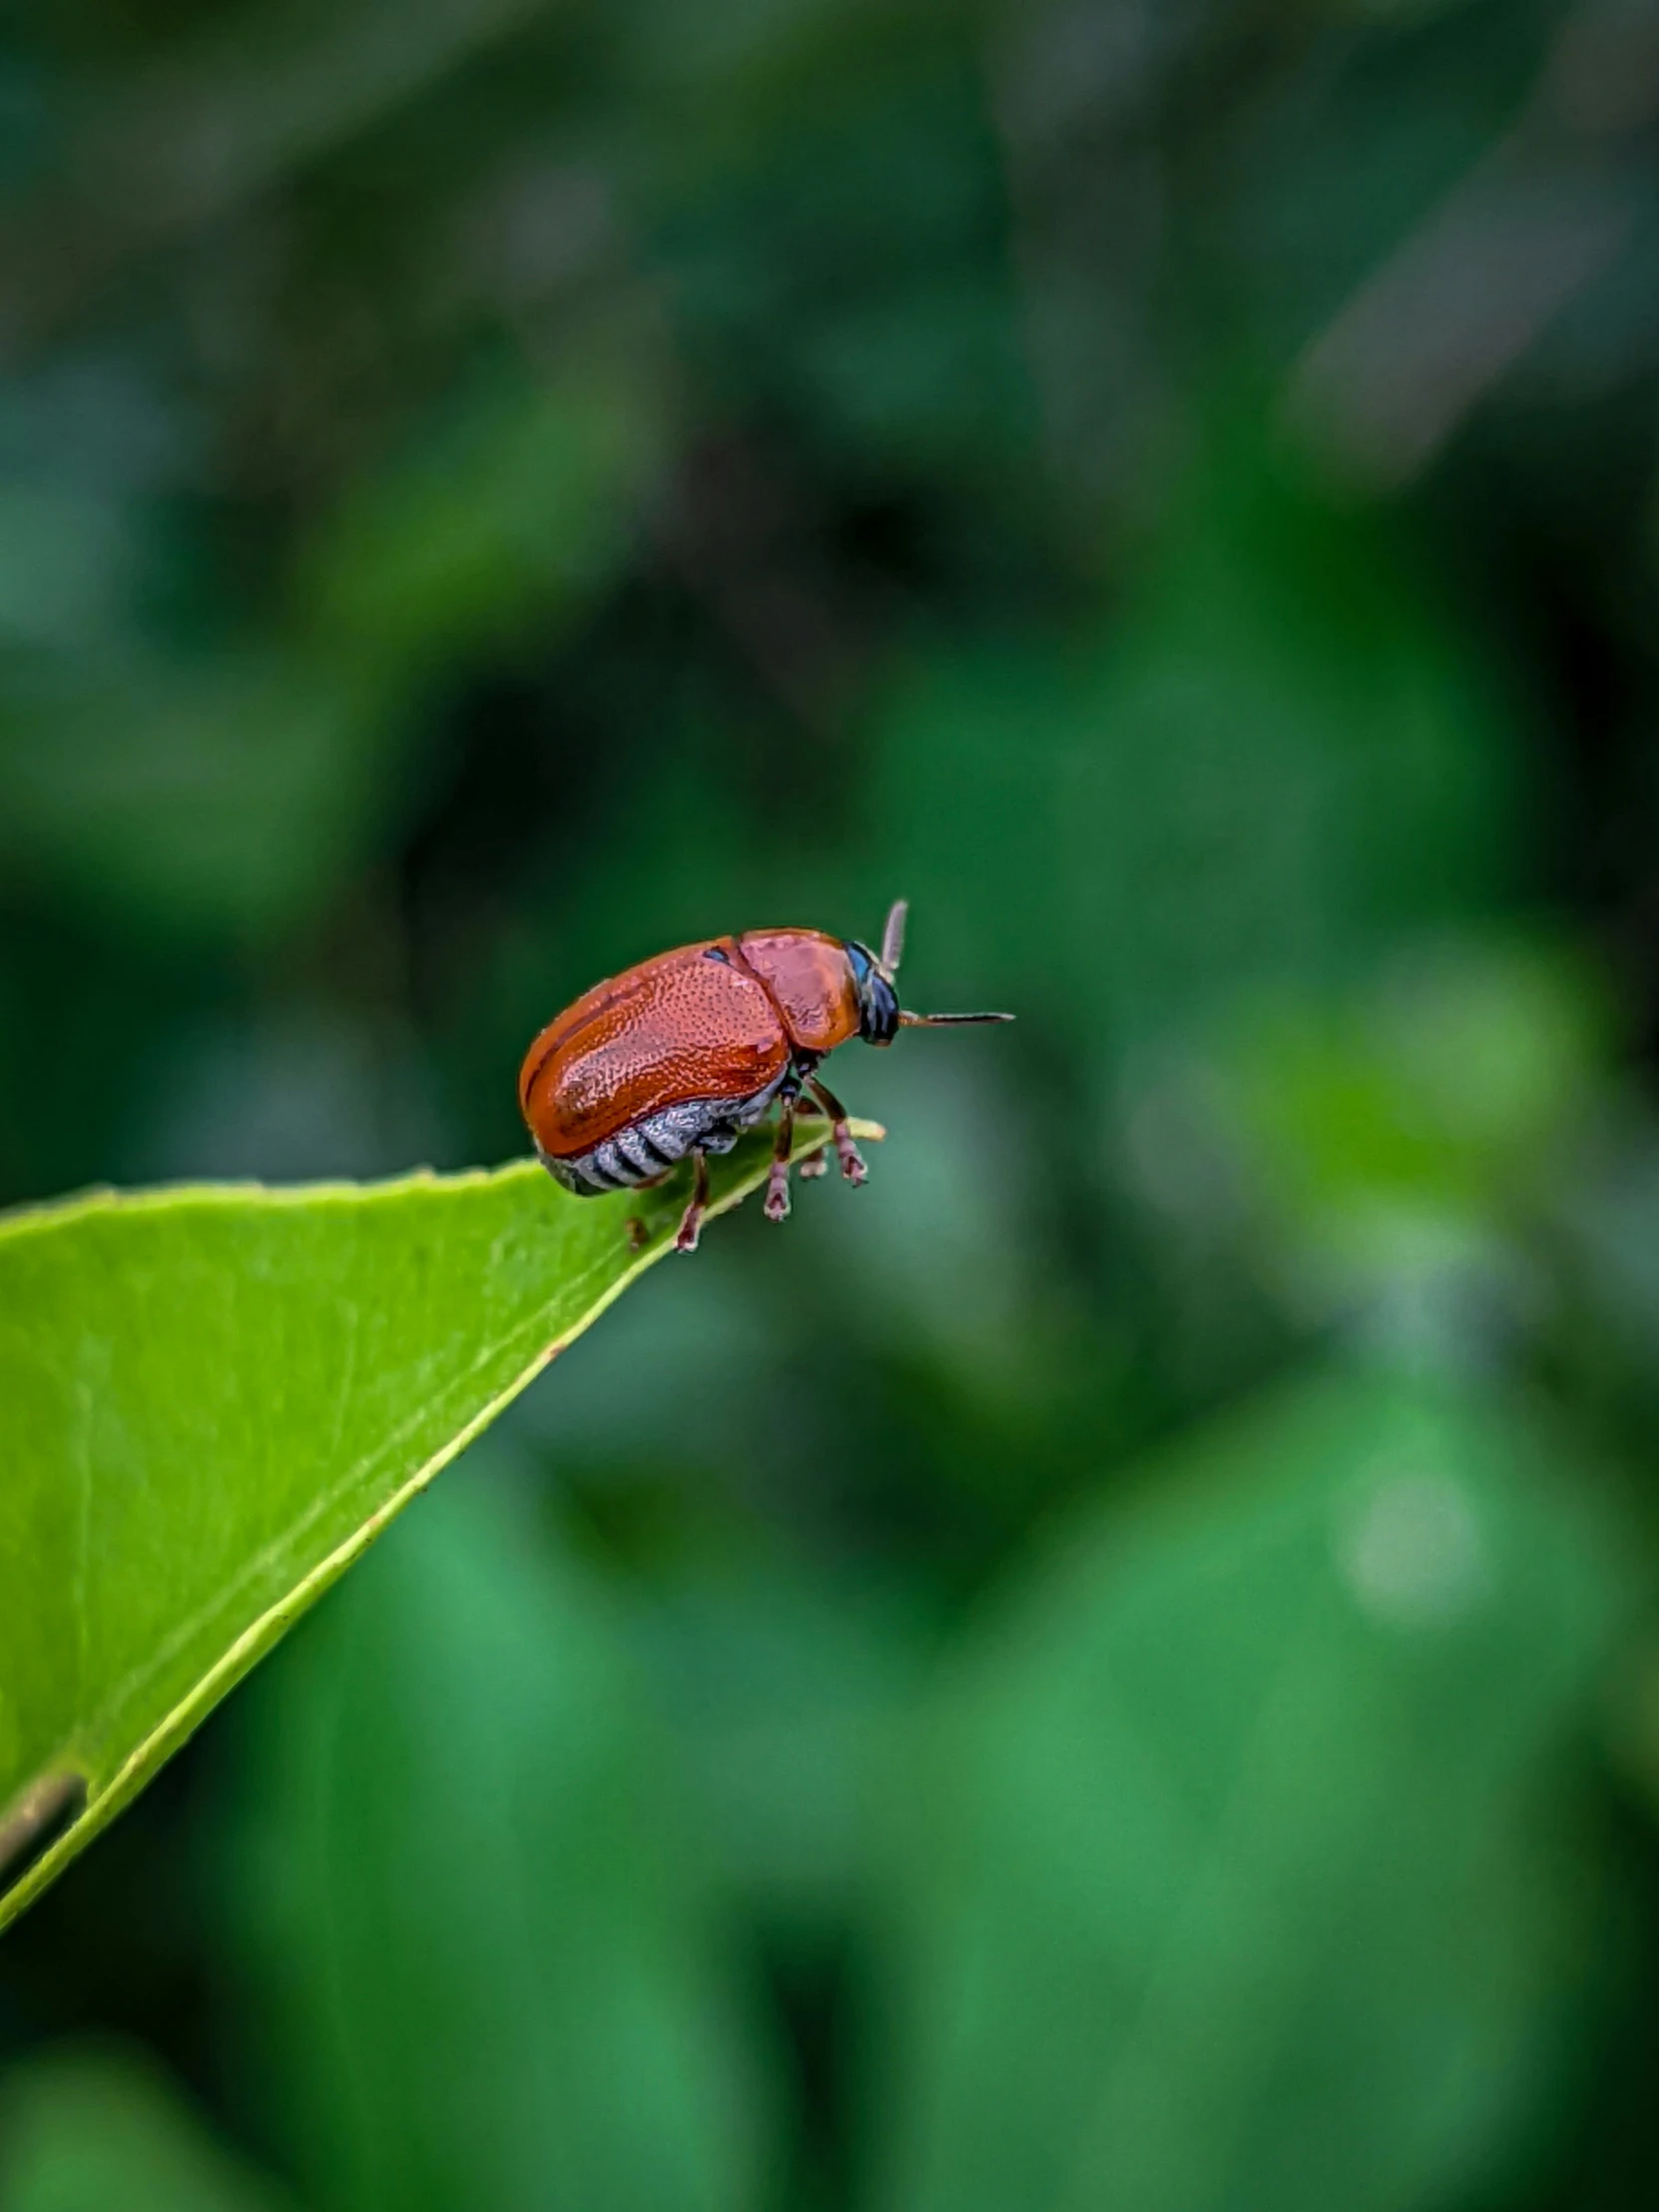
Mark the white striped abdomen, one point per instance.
(646, 1150)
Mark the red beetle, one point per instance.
(685, 1052)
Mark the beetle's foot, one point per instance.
(851, 1159)
(815, 1164)
(690, 1229)
(778, 1192)
(639, 1236)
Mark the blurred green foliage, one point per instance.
(524, 1989)
(85, 2129)
(1112, 1668)
(1233, 1869)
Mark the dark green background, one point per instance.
(1112, 1668)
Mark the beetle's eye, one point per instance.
(878, 1000)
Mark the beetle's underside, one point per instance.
(646, 1150)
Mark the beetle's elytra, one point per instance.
(684, 1053)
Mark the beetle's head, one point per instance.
(880, 1017)
(877, 996)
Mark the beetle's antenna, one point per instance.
(892, 936)
(946, 1021)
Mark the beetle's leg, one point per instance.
(851, 1159)
(778, 1182)
(816, 1163)
(639, 1236)
(690, 1221)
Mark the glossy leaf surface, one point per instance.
(217, 1398)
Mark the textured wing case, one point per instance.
(683, 1050)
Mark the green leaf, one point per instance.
(1241, 1866)
(81, 2132)
(479, 1964)
(215, 1399)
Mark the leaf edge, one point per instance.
(261, 1635)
